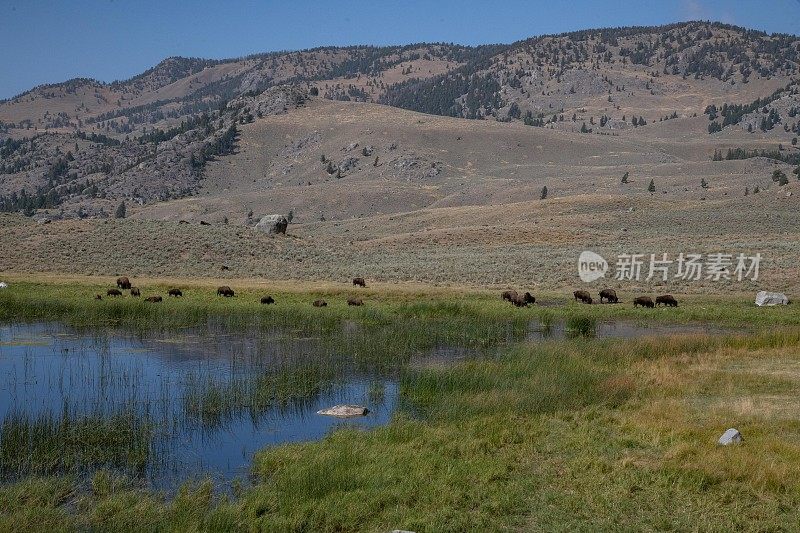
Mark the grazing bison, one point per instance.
(609, 295)
(123, 283)
(224, 267)
(153, 299)
(644, 301)
(355, 301)
(225, 291)
(509, 296)
(113, 292)
(667, 299)
(524, 300)
(175, 292)
(183, 222)
(359, 282)
(204, 223)
(320, 303)
(267, 300)
(529, 298)
(98, 297)
(582, 296)
(135, 291)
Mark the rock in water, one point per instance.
(273, 224)
(344, 411)
(764, 298)
(731, 436)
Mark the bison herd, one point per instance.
(511, 296)
(123, 283)
(610, 296)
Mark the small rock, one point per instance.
(344, 411)
(731, 436)
(3, 285)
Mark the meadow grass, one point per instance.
(573, 435)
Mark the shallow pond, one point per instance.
(48, 370)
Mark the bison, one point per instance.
(123, 283)
(175, 292)
(225, 291)
(320, 303)
(582, 296)
(609, 295)
(359, 282)
(153, 299)
(509, 296)
(667, 299)
(135, 291)
(113, 292)
(529, 298)
(524, 300)
(355, 301)
(267, 300)
(644, 301)
(98, 297)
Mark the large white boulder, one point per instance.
(273, 224)
(771, 298)
(731, 436)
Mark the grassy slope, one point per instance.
(580, 435)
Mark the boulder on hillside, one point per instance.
(765, 298)
(273, 224)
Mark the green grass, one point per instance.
(570, 435)
(73, 444)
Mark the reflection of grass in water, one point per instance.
(212, 401)
(71, 443)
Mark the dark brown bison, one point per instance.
(355, 301)
(320, 303)
(667, 299)
(183, 222)
(267, 300)
(225, 291)
(644, 301)
(123, 283)
(113, 292)
(529, 298)
(204, 223)
(509, 296)
(359, 282)
(609, 295)
(524, 300)
(224, 267)
(153, 299)
(175, 292)
(582, 296)
(98, 297)
(135, 291)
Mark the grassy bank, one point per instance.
(584, 434)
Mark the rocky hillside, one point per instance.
(81, 147)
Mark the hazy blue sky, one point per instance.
(46, 42)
